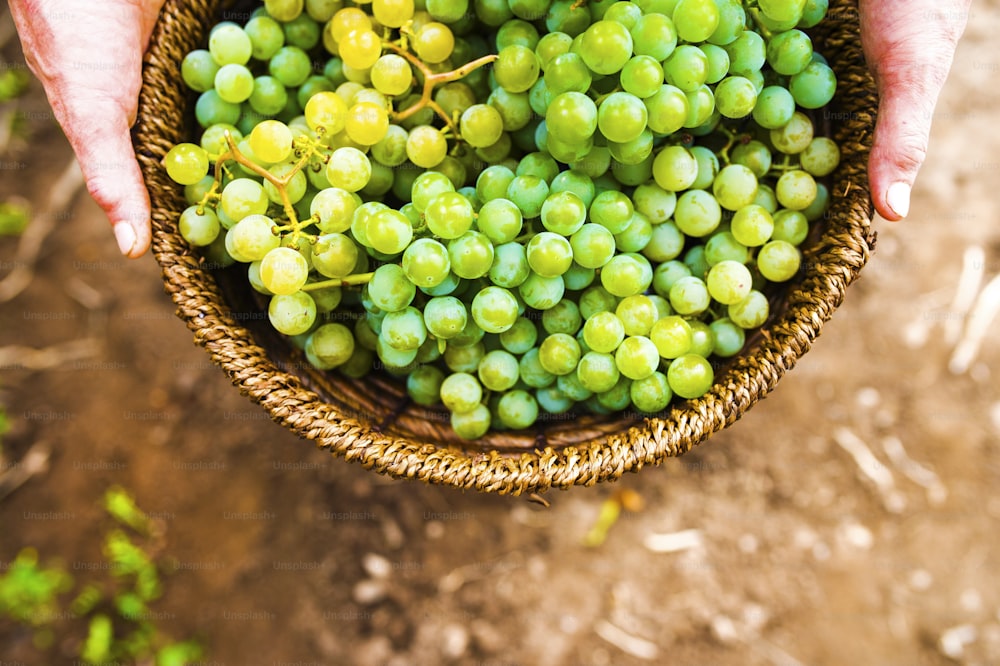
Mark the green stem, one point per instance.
(349, 281)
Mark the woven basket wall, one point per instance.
(370, 421)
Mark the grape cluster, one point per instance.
(523, 207)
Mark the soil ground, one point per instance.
(801, 552)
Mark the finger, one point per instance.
(909, 46)
(103, 146)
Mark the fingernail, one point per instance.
(125, 236)
(898, 198)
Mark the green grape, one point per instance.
(517, 409)
(667, 109)
(695, 259)
(391, 75)
(434, 42)
(814, 86)
(603, 331)
(449, 215)
(698, 213)
(747, 53)
(672, 336)
(538, 164)
(186, 163)
(636, 235)
(690, 376)
(592, 245)
(718, 62)
(778, 261)
(472, 424)
(348, 169)
(268, 97)
(404, 329)
(774, 107)
(494, 309)
(520, 337)
(627, 274)
(566, 72)
(754, 155)
(528, 193)
(666, 242)
(606, 46)
(817, 208)
(389, 232)
(791, 226)
(689, 296)
(333, 208)
(330, 346)
(531, 370)
(541, 293)
(549, 254)
(242, 197)
(563, 317)
(423, 385)
(445, 317)
(597, 371)
(675, 168)
(335, 255)
(290, 65)
(571, 117)
(654, 35)
(251, 238)
(813, 12)
(426, 146)
(292, 314)
(461, 392)
(198, 70)
(283, 270)
(735, 97)
(735, 187)
(471, 255)
(795, 189)
(642, 76)
(626, 13)
(295, 188)
(516, 68)
(613, 210)
(389, 289)
(686, 68)
(708, 167)
(637, 357)
(728, 338)
(229, 44)
(729, 282)
(500, 220)
(578, 277)
(637, 314)
(199, 227)
(326, 113)
(576, 182)
(621, 117)
(751, 312)
(752, 225)
(510, 265)
(210, 109)
(820, 157)
(701, 107)
(559, 354)
(795, 136)
(789, 52)
(651, 394)
(498, 370)
(723, 246)
(696, 20)
(514, 110)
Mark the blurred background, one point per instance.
(849, 518)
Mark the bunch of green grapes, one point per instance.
(586, 224)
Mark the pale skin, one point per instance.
(88, 58)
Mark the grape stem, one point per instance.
(348, 281)
(280, 184)
(431, 80)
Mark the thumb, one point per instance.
(107, 159)
(909, 46)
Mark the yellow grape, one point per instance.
(367, 123)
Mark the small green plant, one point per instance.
(120, 626)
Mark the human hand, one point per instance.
(909, 45)
(88, 57)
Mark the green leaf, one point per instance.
(178, 654)
(123, 508)
(97, 646)
(14, 218)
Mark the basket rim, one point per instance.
(832, 265)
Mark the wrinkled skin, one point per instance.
(88, 57)
(909, 45)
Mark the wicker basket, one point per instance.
(371, 422)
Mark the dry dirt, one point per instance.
(802, 552)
